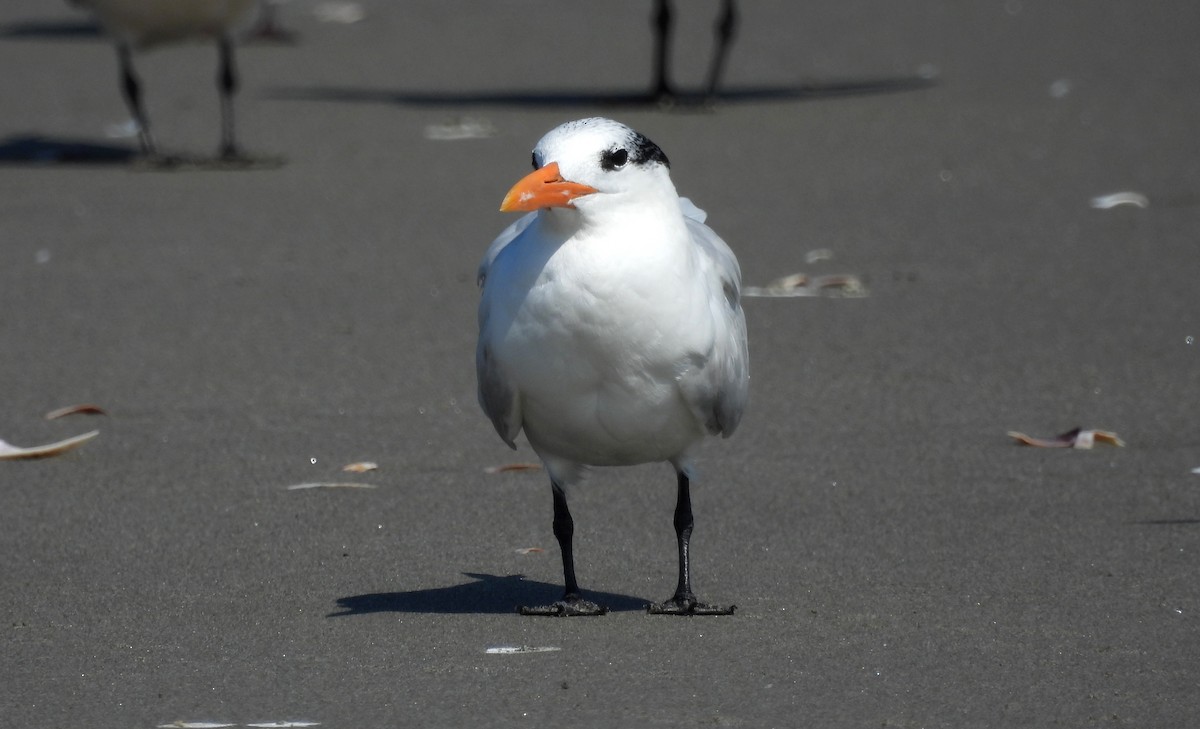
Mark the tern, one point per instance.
(144, 24)
(610, 328)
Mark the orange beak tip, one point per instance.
(543, 188)
(515, 201)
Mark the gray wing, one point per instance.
(719, 388)
(692, 212)
(496, 396)
(508, 235)
(498, 400)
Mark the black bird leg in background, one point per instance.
(684, 602)
(131, 89)
(726, 26)
(227, 84)
(572, 602)
(662, 33)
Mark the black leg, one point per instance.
(725, 29)
(662, 34)
(227, 84)
(684, 602)
(572, 602)
(683, 534)
(131, 89)
(564, 532)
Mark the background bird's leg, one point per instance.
(726, 26)
(227, 84)
(662, 33)
(131, 89)
(572, 602)
(684, 602)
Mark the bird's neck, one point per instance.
(654, 208)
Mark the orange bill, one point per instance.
(543, 188)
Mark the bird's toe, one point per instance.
(687, 605)
(568, 607)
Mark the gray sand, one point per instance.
(897, 560)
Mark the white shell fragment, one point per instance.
(1060, 88)
(511, 467)
(801, 284)
(509, 650)
(345, 13)
(360, 467)
(1074, 438)
(464, 128)
(9, 451)
(818, 254)
(223, 724)
(1136, 199)
(328, 485)
(85, 408)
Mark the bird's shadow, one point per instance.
(483, 594)
(35, 150)
(81, 29)
(683, 100)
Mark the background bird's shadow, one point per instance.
(52, 30)
(39, 150)
(36, 150)
(583, 97)
(482, 595)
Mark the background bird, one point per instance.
(610, 327)
(664, 24)
(137, 25)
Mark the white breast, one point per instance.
(595, 339)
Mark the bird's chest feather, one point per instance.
(598, 343)
(617, 316)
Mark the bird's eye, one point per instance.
(614, 159)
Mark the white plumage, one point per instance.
(610, 326)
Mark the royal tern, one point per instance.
(610, 327)
(663, 22)
(142, 24)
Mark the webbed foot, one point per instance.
(569, 607)
(687, 605)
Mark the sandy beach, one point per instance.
(896, 558)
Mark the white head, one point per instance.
(588, 161)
